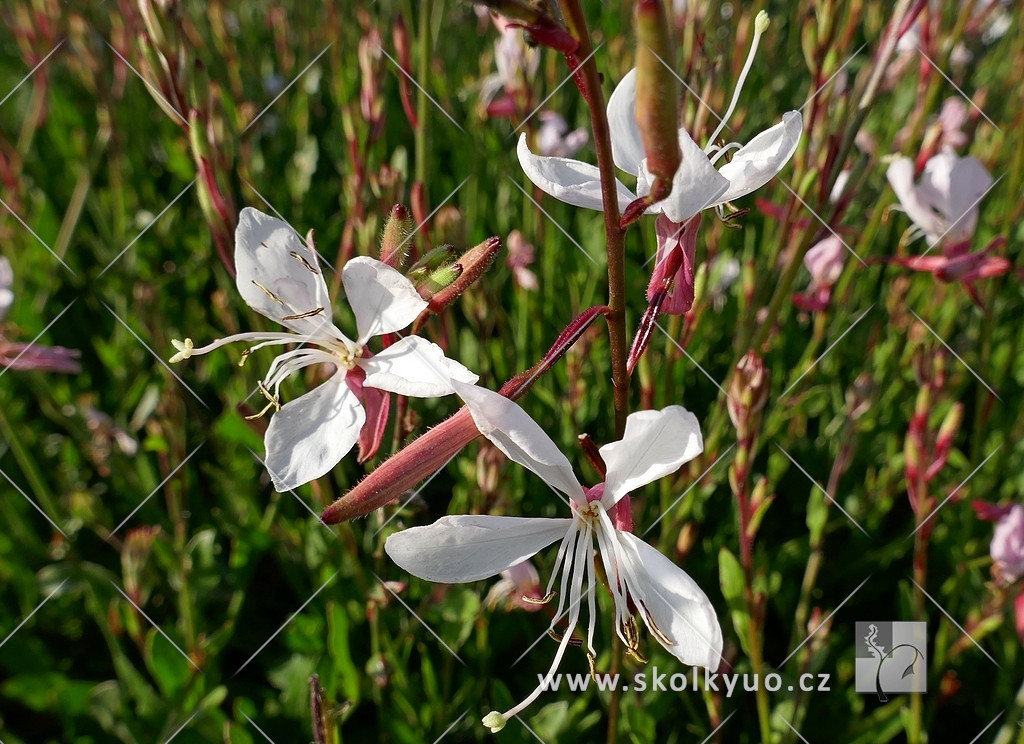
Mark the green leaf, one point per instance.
(168, 667)
(733, 582)
(346, 672)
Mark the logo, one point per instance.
(891, 658)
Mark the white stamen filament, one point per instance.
(760, 24)
(580, 535)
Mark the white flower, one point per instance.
(944, 204)
(697, 185)
(278, 277)
(467, 548)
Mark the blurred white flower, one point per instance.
(943, 205)
(6, 284)
(555, 139)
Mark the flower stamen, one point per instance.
(269, 294)
(299, 316)
(303, 261)
(272, 402)
(653, 626)
(556, 636)
(540, 600)
(760, 26)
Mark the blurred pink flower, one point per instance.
(516, 62)
(554, 138)
(825, 262)
(518, 585)
(952, 118)
(42, 358)
(520, 256)
(1007, 546)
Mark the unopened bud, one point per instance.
(439, 279)
(395, 240)
(748, 393)
(403, 471)
(473, 263)
(657, 97)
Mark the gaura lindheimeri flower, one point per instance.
(697, 185)
(943, 205)
(468, 548)
(278, 277)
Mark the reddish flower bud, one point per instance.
(657, 97)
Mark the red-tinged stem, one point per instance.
(614, 235)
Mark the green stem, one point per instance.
(423, 73)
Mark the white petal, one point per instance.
(654, 444)
(568, 180)
(627, 147)
(414, 366)
(953, 185)
(667, 597)
(268, 253)
(696, 186)
(520, 437)
(760, 160)
(382, 299)
(310, 434)
(900, 174)
(468, 548)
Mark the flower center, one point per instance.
(346, 354)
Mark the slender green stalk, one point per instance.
(423, 71)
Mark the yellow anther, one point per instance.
(272, 402)
(543, 600)
(303, 261)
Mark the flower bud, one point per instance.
(472, 264)
(748, 392)
(657, 96)
(394, 241)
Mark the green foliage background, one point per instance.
(88, 159)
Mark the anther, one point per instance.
(303, 261)
(653, 626)
(299, 316)
(270, 294)
(577, 642)
(543, 600)
(272, 402)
